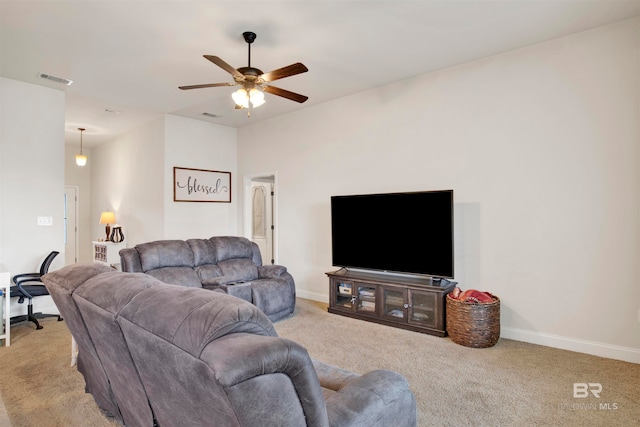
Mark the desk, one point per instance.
(5, 288)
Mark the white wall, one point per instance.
(127, 178)
(199, 145)
(32, 176)
(133, 176)
(541, 148)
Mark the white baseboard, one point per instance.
(626, 354)
(313, 296)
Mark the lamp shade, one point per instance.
(81, 159)
(256, 97)
(241, 98)
(108, 218)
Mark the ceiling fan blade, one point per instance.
(280, 73)
(228, 68)
(205, 85)
(285, 94)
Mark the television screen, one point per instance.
(395, 232)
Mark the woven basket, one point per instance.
(473, 325)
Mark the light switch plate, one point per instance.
(45, 220)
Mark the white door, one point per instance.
(70, 225)
(260, 215)
(262, 227)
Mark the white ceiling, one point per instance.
(131, 56)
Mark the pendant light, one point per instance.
(81, 159)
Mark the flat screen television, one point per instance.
(409, 233)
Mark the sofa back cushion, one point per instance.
(228, 247)
(204, 252)
(201, 316)
(165, 253)
(236, 257)
(194, 262)
(205, 259)
(170, 261)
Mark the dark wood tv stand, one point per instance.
(405, 302)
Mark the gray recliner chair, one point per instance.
(173, 355)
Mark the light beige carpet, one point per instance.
(37, 385)
(510, 384)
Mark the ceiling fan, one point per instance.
(253, 81)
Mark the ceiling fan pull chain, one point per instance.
(249, 37)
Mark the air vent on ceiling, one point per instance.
(213, 116)
(55, 79)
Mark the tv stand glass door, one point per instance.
(354, 296)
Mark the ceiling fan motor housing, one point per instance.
(249, 36)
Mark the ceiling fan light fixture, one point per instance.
(256, 97)
(253, 82)
(242, 98)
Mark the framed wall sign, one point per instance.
(199, 185)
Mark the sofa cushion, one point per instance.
(183, 276)
(204, 252)
(242, 269)
(228, 247)
(208, 273)
(165, 253)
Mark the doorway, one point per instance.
(260, 214)
(70, 225)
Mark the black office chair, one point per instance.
(29, 285)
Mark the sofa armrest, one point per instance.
(250, 367)
(271, 271)
(377, 398)
(130, 260)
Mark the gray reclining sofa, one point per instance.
(154, 354)
(227, 263)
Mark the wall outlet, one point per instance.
(45, 220)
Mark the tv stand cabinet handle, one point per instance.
(407, 305)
